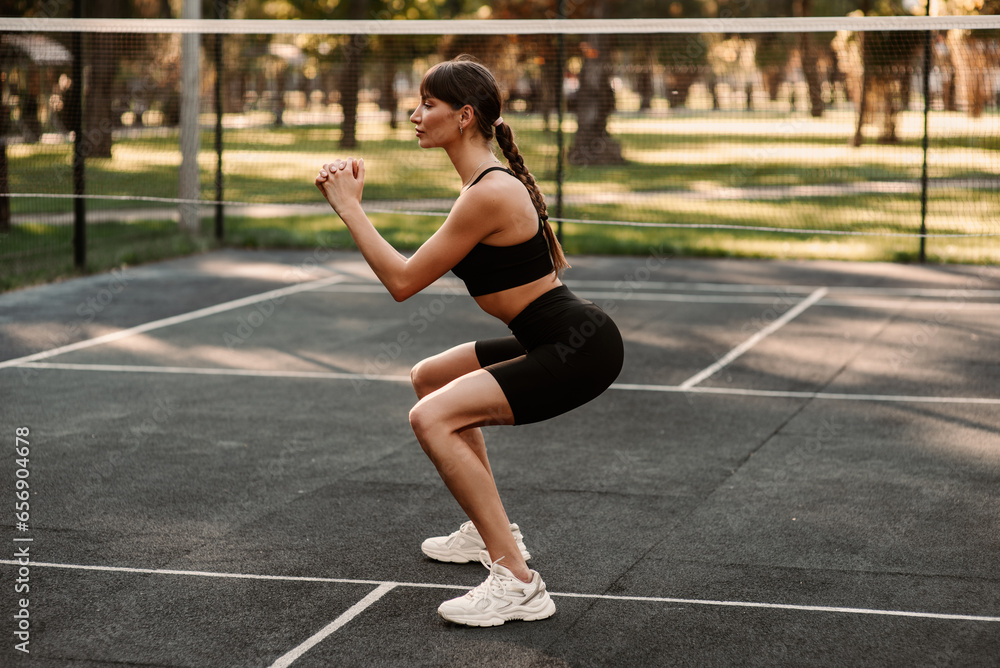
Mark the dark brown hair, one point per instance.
(463, 81)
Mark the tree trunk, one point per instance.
(29, 106)
(350, 81)
(280, 82)
(387, 100)
(810, 69)
(773, 77)
(595, 100)
(98, 117)
(970, 69)
(644, 86)
(552, 85)
(4, 185)
(810, 63)
(859, 138)
(644, 75)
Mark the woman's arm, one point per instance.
(468, 223)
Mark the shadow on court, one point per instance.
(797, 466)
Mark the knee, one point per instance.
(432, 431)
(420, 378)
(431, 424)
(423, 424)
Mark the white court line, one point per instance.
(352, 612)
(788, 606)
(785, 394)
(925, 304)
(849, 300)
(633, 387)
(786, 317)
(772, 289)
(378, 288)
(633, 287)
(635, 296)
(330, 281)
(231, 576)
(599, 597)
(209, 371)
(173, 320)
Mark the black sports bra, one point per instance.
(488, 269)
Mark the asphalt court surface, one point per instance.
(797, 466)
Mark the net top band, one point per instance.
(502, 27)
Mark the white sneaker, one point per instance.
(502, 597)
(465, 545)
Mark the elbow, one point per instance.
(401, 292)
(402, 285)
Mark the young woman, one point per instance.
(564, 351)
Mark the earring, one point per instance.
(461, 130)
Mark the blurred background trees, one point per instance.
(132, 79)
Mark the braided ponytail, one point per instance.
(505, 140)
(462, 81)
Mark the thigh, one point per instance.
(473, 400)
(437, 371)
(493, 351)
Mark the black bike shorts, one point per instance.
(564, 352)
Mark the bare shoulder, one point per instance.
(501, 202)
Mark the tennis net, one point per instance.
(853, 137)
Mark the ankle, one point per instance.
(524, 577)
(523, 574)
(518, 568)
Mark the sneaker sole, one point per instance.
(544, 612)
(449, 557)
(452, 557)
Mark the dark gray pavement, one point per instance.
(217, 488)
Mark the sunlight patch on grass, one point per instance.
(833, 123)
(669, 153)
(797, 154)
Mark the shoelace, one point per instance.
(492, 584)
(484, 559)
(462, 530)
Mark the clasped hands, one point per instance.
(341, 182)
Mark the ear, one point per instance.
(467, 114)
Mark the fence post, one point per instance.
(923, 173)
(5, 221)
(79, 164)
(219, 213)
(560, 107)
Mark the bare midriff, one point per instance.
(506, 304)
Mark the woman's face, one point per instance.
(436, 121)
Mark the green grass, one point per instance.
(278, 164)
(694, 152)
(41, 253)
